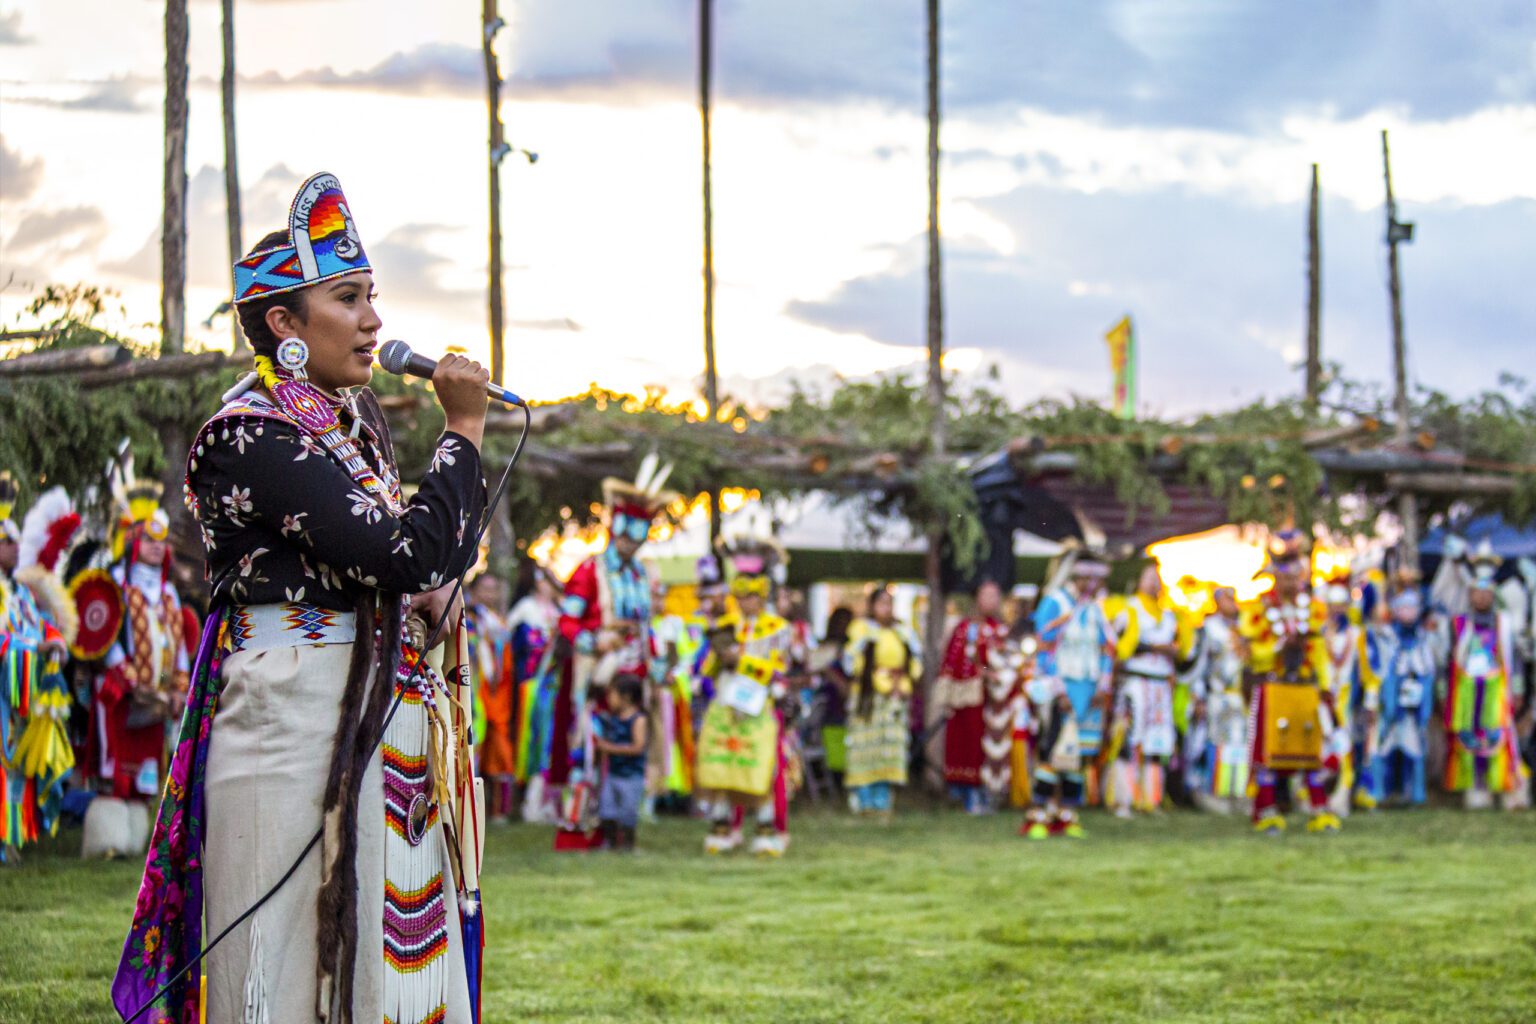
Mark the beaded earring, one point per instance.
(293, 356)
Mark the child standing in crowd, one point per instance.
(622, 737)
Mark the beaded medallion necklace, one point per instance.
(316, 413)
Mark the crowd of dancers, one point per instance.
(1334, 696)
(597, 707)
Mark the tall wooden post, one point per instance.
(1314, 301)
(711, 384)
(231, 160)
(173, 224)
(490, 23)
(934, 626)
(1408, 506)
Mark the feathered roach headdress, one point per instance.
(1287, 549)
(757, 559)
(45, 535)
(632, 506)
(1485, 564)
(136, 502)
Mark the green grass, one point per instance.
(1405, 917)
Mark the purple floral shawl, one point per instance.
(167, 928)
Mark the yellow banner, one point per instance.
(1122, 365)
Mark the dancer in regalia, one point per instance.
(1353, 686)
(670, 758)
(37, 623)
(604, 629)
(307, 720)
(1217, 748)
(532, 625)
(884, 661)
(1068, 694)
(979, 706)
(1287, 673)
(1482, 755)
(1409, 667)
(141, 688)
(490, 656)
(1149, 644)
(743, 762)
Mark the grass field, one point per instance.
(1427, 916)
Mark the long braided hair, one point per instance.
(364, 705)
(866, 702)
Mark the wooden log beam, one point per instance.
(58, 361)
(1468, 484)
(165, 368)
(542, 419)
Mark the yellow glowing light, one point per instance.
(561, 551)
(1329, 562)
(1192, 566)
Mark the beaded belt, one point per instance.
(264, 627)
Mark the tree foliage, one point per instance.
(867, 439)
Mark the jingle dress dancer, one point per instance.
(979, 703)
(321, 575)
(743, 762)
(884, 661)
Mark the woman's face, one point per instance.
(882, 607)
(339, 326)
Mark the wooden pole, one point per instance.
(1314, 300)
(231, 161)
(173, 226)
(489, 22)
(934, 626)
(1408, 506)
(711, 383)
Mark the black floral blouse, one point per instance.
(284, 521)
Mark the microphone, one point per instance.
(397, 358)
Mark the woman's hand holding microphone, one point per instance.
(460, 385)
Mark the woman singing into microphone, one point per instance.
(321, 576)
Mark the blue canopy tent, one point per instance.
(1508, 542)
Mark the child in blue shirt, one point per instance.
(621, 738)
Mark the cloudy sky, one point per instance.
(1100, 158)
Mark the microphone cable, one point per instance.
(437, 630)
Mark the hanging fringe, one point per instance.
(255, 981)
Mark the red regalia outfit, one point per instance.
(604, 630)
(146, 670)
(981, 701)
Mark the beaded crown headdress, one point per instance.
(322, 244)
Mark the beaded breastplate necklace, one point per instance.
(315, 412)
